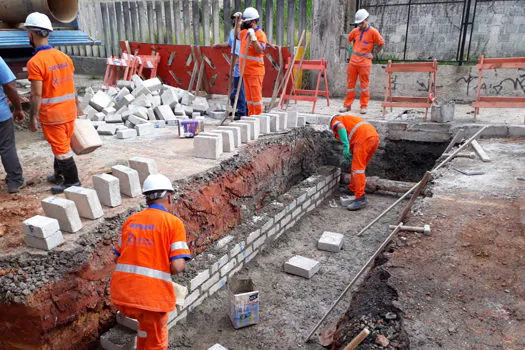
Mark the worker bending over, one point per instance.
(360, 141)
(53, 99)
(253, 37)
(363, 39)
(151, 249)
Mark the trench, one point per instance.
(60, 299)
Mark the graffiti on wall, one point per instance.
(516, 84)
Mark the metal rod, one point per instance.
(472, 28)
(356, 277)
(465, 29)
(452, 155)
(406, 33)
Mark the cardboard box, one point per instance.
(244, 302)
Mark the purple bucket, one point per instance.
(188, 128)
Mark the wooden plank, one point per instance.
(501, 104)
(409, 99)
(415, 194)
(238, 6)
(187, 21)
(177, 10)
(480, 151)
(113, 29)
(269, 20)
(168, 13)
(206, 12)
(215, 13)
(406, 104)
(196, 23)
(302, 15)
(99, 33)
(126, 15)
(422, 69)
(151, 22)
(134, 21)
(291, 25)
(226, 21)
(247, 3)
(161, 23)
(105, 26)
(501, 99)
(279, 23)
(259, 7)
(143, 20)
(119, 21)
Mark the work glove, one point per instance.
(252, 34)
(237, 14)
(350, 49)
(347, 155)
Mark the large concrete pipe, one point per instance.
(16, 11)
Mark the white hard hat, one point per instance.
(361, 15)
(250, 14)
(332, 119)
(37, 20)
(157, 182)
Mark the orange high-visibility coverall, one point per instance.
(359, 66)
(253, 71)
(58, 110)
(364, 141)
(141, 286)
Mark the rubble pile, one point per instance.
(139, 106)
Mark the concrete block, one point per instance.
(200, 104)
(331, 241)
(274, 122)
(187, 98)
(108, 189)
(346, 200)
(135, 120)
(292, 119)
(140, 112)
(188, 110)
(217, 347)
(172, 122)
(199, 279)
(144, 166)
(170, 98)
(144, 129)
(516, 131)
(209, 147)
(143, 101)
(256, 131)
(227, 139)
(109, 110)
(236, 134)
(100, 101)
(65, 211)
(301, 266)
(107, 129)
(156, 100)
(179, 110)
(128, 180)
(127, 322)
(126, 133)
(158, 124)
(96, 124)
(90, 112)
(40, 226)
(47, 243)
(86, 200)
(195, 115)
(219, 115)
(98, 117)
(151, 114)
(114, 118)
(153, 84)
(264, 123)
(301, 121)
(119, 338)
(121, 84)
(180, 294)
(246, 135)
(164, 113)
(283, 119)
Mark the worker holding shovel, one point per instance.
(360, 141)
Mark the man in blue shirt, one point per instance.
(242, 109)
(10, 161)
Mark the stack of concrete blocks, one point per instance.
(86, 201)
(138, 107)
(129, 180)
(63, 210)
(271, 224)
(144, 166)
(108, 189)
(42, 232)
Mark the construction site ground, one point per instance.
(463, 287)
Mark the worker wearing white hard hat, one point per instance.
(152, 247)
(366, 43)
(54, 100)
(251, 59)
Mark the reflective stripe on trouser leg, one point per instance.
(64, 156)
(364, 81)
(253, 90)
(351, 80)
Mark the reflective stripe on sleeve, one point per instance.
(354, 130)
(358, 171)
(142, 334)
(253, 58)
(144, 271)
(58, 99)
(179, 245)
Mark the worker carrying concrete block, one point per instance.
(53, 99)
(251, 57)
(151, 249)
(362, 41)
(360, 141)
(234, 45)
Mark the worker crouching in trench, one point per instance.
(360, 141)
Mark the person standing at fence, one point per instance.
(366, 44)
(252, 37)
(53, 99)
(241, 103)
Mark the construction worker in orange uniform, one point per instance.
(360, 141)
(363, 39)
(151, 249)
(53, 99)
(251, 35)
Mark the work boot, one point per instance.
(345, 109)
(346, 191)
(363, 111)
(57, 178)
(15, 188)
(69, 170)
(358, 204)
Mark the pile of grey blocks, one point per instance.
(64, 214)
(225, 139)
(138, 107)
